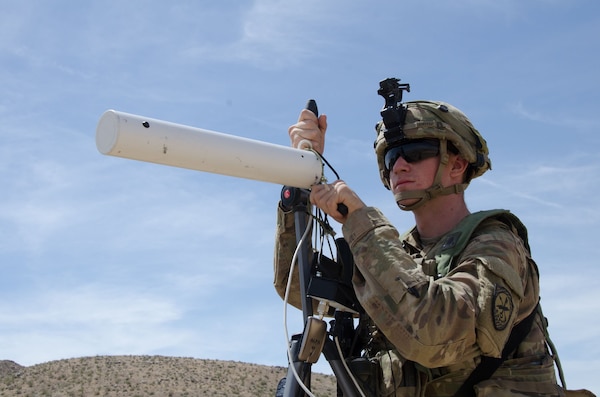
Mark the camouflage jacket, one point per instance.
(433, 330)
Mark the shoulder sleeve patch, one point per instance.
(502, 307)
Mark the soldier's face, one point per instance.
(419, 175)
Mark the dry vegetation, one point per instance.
(159, 376)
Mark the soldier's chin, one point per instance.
(407, 203)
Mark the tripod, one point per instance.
(328, 282)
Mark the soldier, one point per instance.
(446, 296)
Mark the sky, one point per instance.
(102, 255)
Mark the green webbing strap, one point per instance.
(455, 242)
(561, 375)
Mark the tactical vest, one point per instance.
(454, 243)
(451, 248)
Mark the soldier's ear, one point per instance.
(458, 167)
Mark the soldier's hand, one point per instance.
(328, 196)
(309, 131)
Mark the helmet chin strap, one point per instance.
(436, 189)
(425, 195)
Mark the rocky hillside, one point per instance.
(132, 376)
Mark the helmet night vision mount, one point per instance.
(394, 112)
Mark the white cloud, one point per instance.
(559, 117)
(89, 319)
(558, 193)
(274, 34)
(89, 305)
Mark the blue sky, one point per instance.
(102, 255)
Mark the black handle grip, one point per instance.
(312, 106)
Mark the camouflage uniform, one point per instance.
(432, 331)
(432, 323)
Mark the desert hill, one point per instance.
(137, 376)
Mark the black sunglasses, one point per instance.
(411, 151)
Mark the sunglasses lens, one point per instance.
(412, 152)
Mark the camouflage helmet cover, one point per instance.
(438, 120)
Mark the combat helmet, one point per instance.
(423, 119)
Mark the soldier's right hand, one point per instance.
(309, 130)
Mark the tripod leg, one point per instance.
(289, 386)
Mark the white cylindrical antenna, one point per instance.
(141, 138)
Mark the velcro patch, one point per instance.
(503, 307)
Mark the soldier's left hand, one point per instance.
(328, 196)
